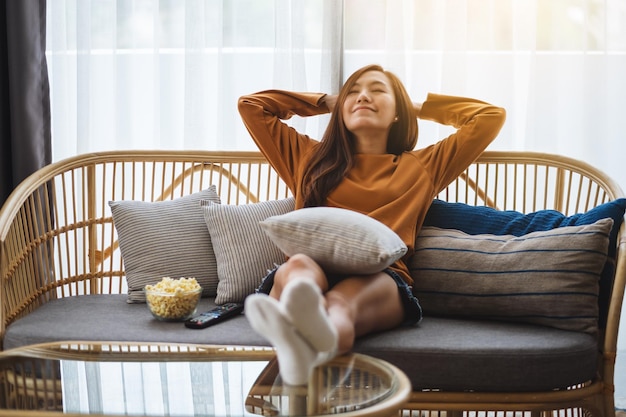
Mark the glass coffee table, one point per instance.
(144, 379)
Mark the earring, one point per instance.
(395, 119)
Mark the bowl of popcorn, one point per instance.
(173, 299)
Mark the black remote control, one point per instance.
(214, 316)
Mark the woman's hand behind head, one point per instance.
(330, 100)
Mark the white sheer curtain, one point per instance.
(167, 73)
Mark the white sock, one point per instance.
(323, 357)
(303, 304)
(296, 357)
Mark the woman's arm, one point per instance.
(478, 124)
(330, 100)
(284, 147)
(417, 108)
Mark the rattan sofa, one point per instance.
(62, 276)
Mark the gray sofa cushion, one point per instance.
(465, 354)
(440, 353)
(109, 317)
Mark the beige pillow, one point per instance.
(548, 277)
(341, 241)
(165, 238)
(243, 252)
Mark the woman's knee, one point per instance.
(300, 261)
(300, 266)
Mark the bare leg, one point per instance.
(297, 325)
(298, 267)
(299, 285)
(308, 328)
(356, 306)
(362, 305)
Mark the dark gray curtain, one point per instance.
(25, 141)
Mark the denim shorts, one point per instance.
(412, 308)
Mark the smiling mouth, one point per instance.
(363, 108)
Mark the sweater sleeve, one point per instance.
(477, 123)
(284, 147)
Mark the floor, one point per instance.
(620, 413)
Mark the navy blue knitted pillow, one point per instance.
(476, 220)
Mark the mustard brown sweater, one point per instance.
(396, 190)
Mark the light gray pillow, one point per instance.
(243, 252)
(547, 277)
(342, 241)
(165, 238)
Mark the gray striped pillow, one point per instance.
(165, 239)
(548, 277)
(342, 241)
(243, 251)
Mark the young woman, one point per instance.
(365, 162)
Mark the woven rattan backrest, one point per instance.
(58, 239)
(528, 181)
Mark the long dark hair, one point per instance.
(334, 156)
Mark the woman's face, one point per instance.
(370, 105)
